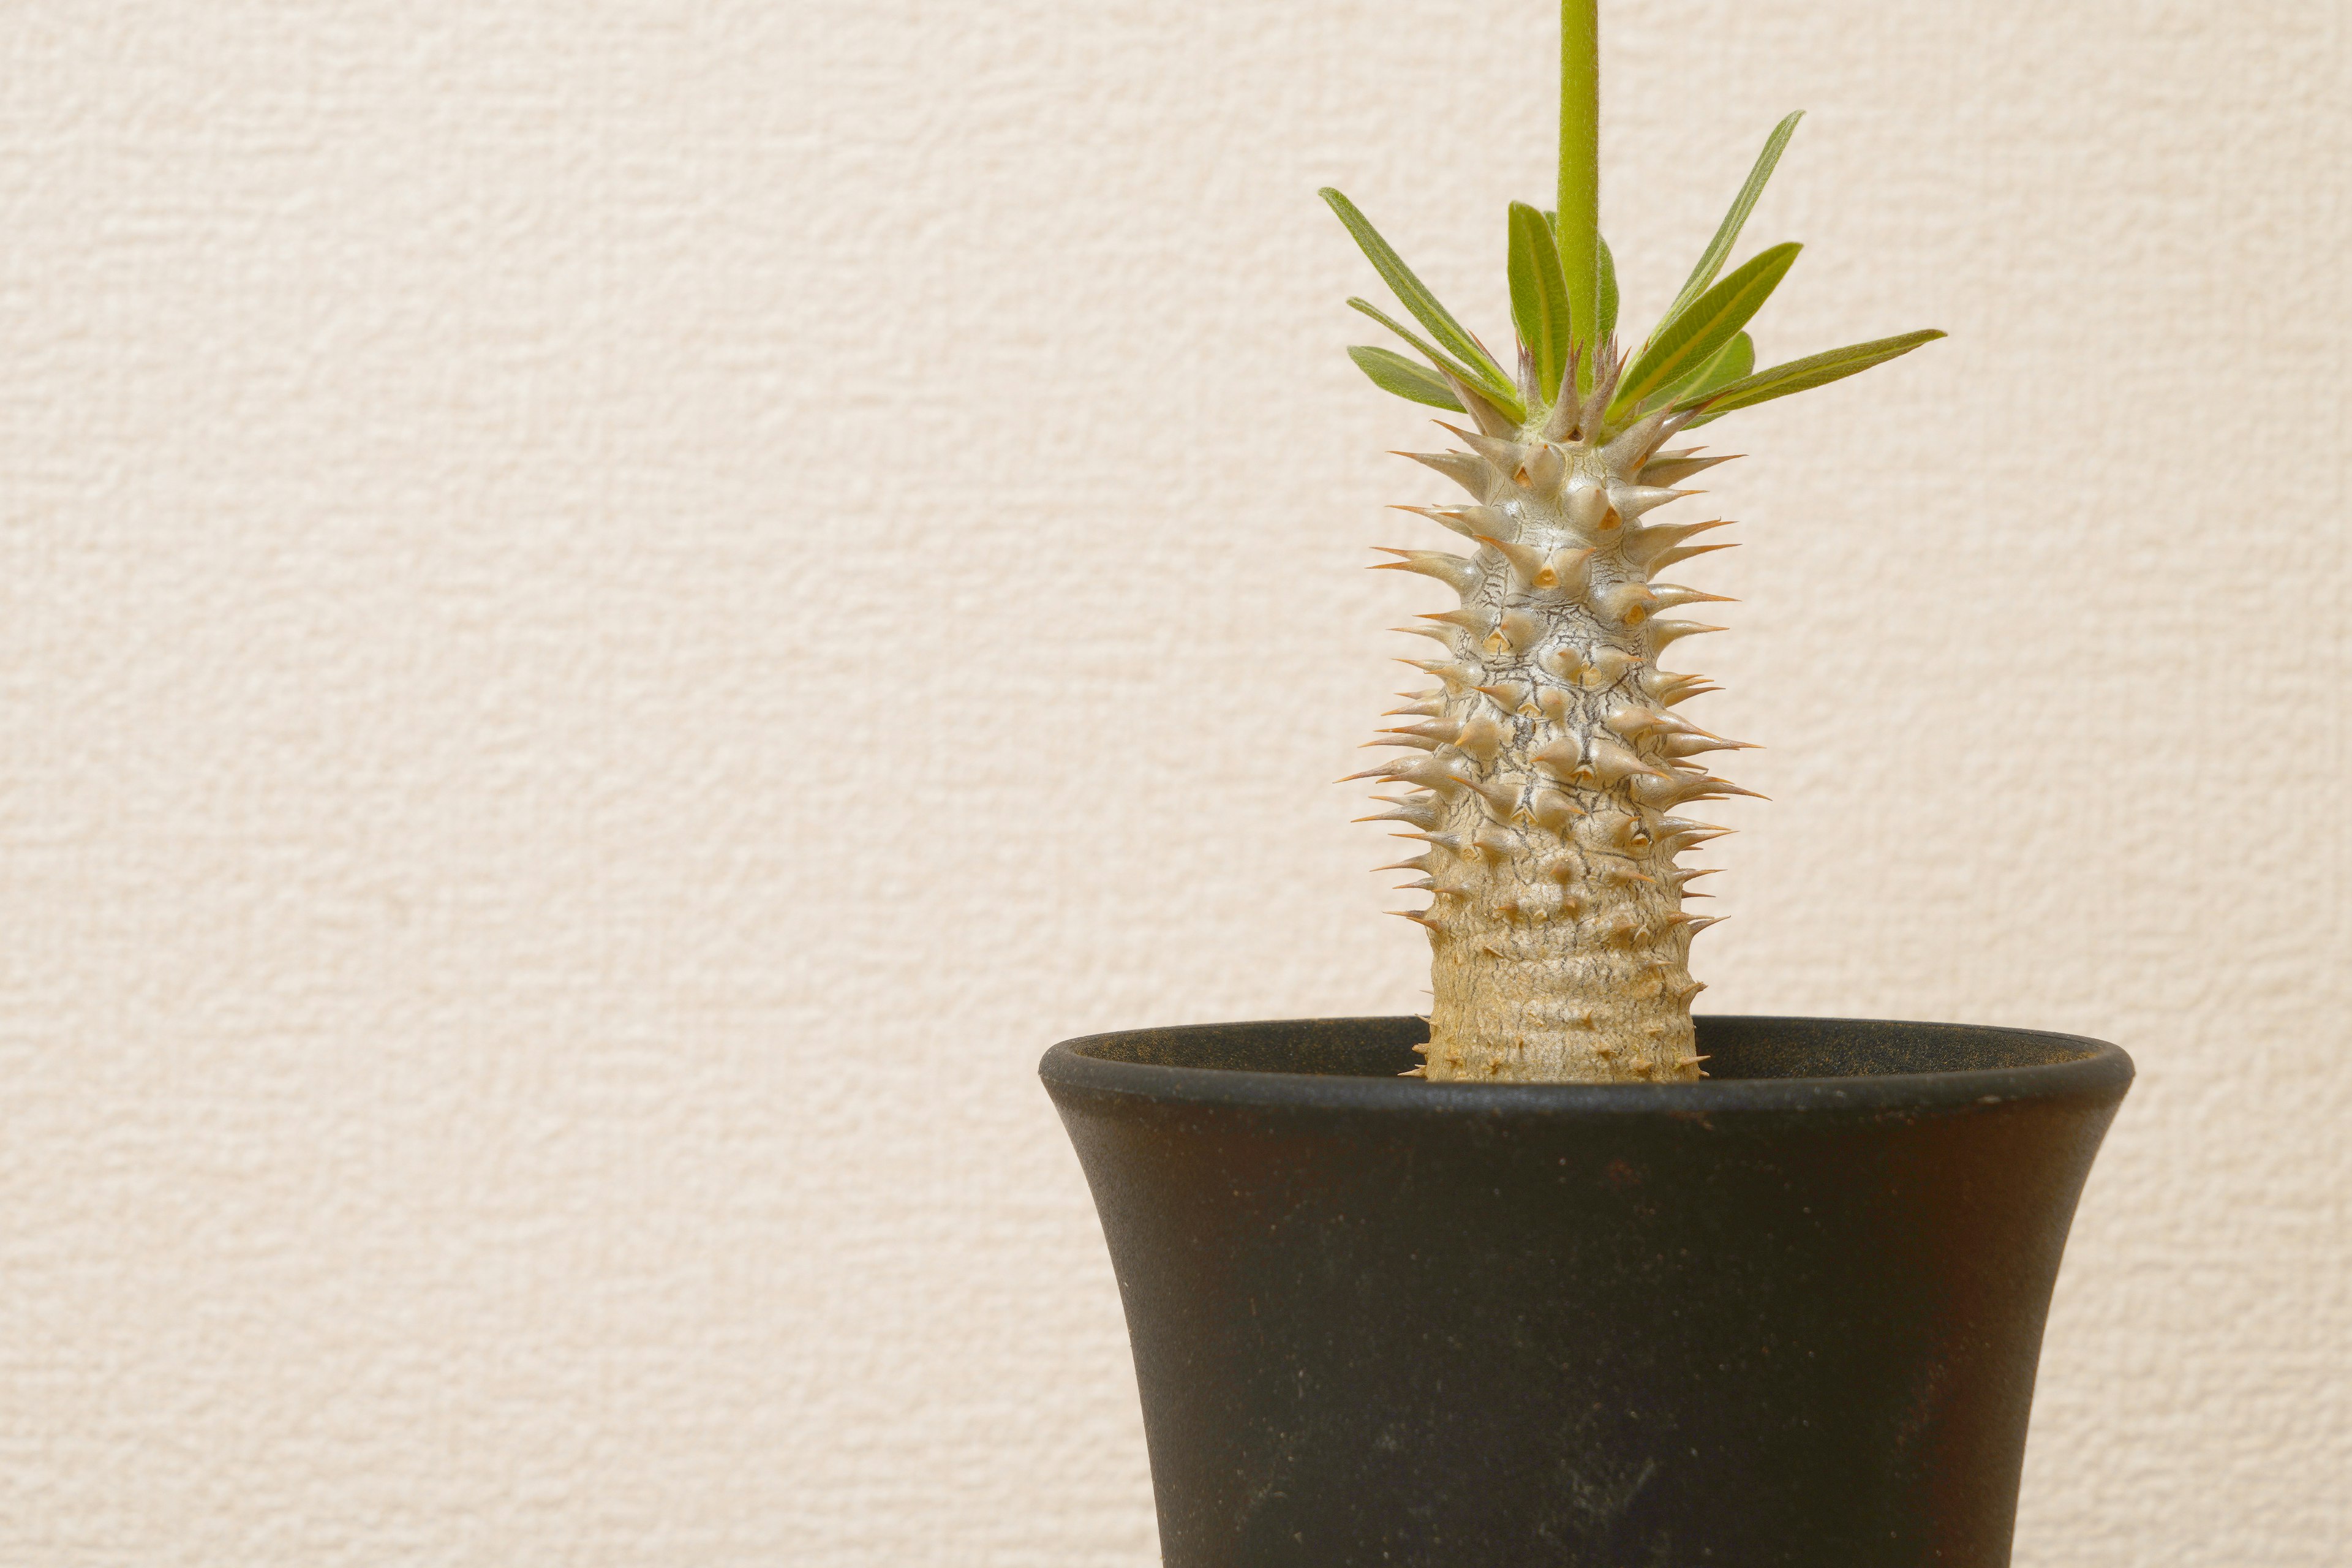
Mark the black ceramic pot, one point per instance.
(1786, 1317)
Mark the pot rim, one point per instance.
(2095, 1069)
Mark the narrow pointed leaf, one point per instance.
(1422, 345)
(1726, 234)
(1605, 302)
(1539, 297)
(1415, 295)
(1391, 372)
(1803, 374)
(1738, 359)
(1684, 344)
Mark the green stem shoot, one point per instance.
(1580, 170)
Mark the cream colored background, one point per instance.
(614, 614)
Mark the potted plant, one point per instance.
(1561, 1274)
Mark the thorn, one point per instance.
(1414, 1072)
(1490, 419)
(1429, 772)
(1692, 744)
(1456, 676)
(1670, 689)
(1543, 471)
(1526, 562)
(1457, 571)
(1590, 514)
(1510, 695)
(1671, 557)
(1681, 835)
(1649, 548)
(1559, 421)
(1553, 809)
(1416, 710)
(1464, 469)
(1444, 638)
(1563, 758)
(1667, 790)
(1419, 813)
(1568, 567)
(1514, 633)
(1470, 521)
(1632, 500)
(1417, 863)
(1631, 450)
(1622, 928)
(1621, 830)
(1673, 467)
(1500, 792)
(1595, 408)
(1530, 384)
(1563, 662)
(1632, 720)
(1673, 595)
(1628, 604)
(1496, 842)
(1436, 731)
(1503, 455)
(1482, 737)
(1612, 763)
(1605, 667)
(1661, 633)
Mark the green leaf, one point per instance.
(1605, 302)
(1736, 359)
(1509, 403)
(1726, 234)
(1422, 345)
(1803, 374)
(1417, 298)
(1391, 372)
(1684, 344)
(1539, 297)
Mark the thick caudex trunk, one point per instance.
(1548, 766)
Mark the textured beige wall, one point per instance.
(613, 613)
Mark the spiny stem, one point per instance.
(1580, 170)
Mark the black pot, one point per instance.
(1788, 1316)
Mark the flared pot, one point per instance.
(1787, 1316)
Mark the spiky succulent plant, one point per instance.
(1547, 771)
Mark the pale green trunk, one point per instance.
(1550, 765)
